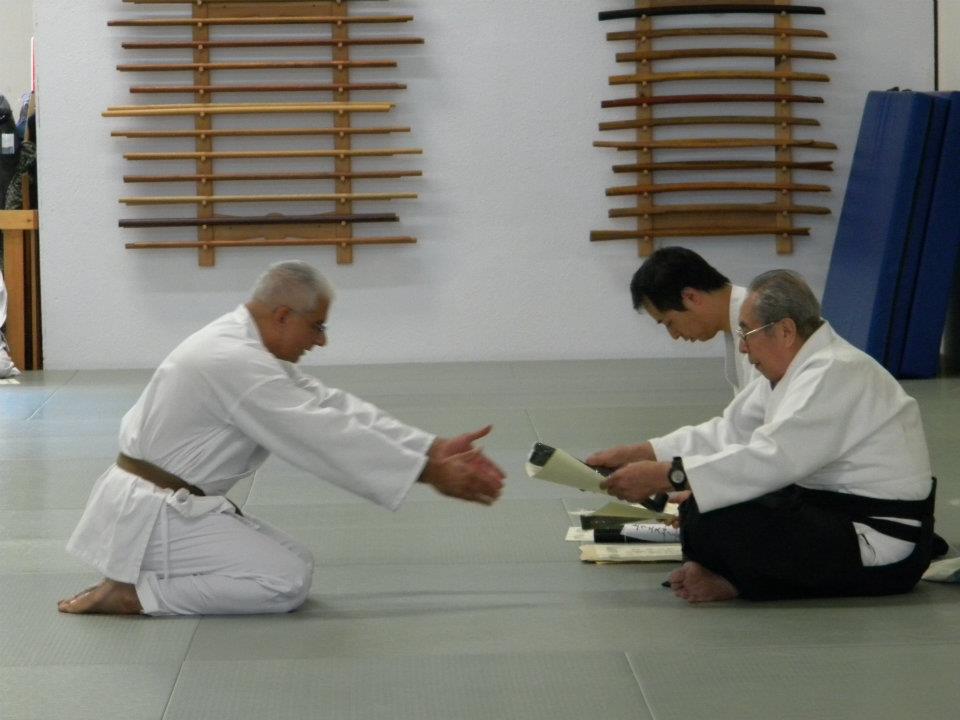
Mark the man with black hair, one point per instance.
(694, 302)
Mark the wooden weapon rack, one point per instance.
(663, 141)
(310, 148)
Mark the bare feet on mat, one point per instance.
(694, 583)
(108, 598)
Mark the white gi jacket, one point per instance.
(213, 411)
(836, 421)
(736, 366)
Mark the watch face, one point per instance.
(678, 477)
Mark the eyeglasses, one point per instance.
(744, 335)
(318, 327)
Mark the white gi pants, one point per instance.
(221, 564)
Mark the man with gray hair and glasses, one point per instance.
(814, 482)
(158, 526)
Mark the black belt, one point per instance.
(871, 511)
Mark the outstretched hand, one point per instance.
(447, 447)
(467, 476)
(458, 469)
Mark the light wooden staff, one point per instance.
(217, 220)
(242, 109)
(709, 8)
(719, 209)
(709, 98)
(598, 235)
(707, 120)
(707, 186)
(248, 154)
(703, 31)
(701, 165)
(653, 55)
(265, 242)
(714, 143)
(650, 78)
(211, 199)
(309, 87)
(268, 42)
(292, 20)
(242, 177)
(259, 65)
(257, 132)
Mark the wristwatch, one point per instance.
(677, 475)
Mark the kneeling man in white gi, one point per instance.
(815, 481)
(157, 524)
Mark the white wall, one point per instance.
(504, 98)
(948, 15)
(16, 29)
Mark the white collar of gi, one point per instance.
(822, 338)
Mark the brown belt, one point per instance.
(156, 475)
(161, 478)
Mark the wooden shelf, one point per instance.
(22, 279)
(772, 160)
(330, 48)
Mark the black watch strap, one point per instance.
(677, 475)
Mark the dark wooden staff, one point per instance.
(713, 143)
(216, 220)
(649, 78)
(707, 120)
(260, 154)
(709, 186)
(241, 177)
(700, 165)
(284, 65)
(596, 235)
(219, 2)
(709, 31)
(292, 20)
(706, 8)
(709, 98)
(312, 197)
(719, 209)
(310, 87)
(268, 42)
(268, 242)
(654, 55)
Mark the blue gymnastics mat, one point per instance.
(911, 278)
(927, 305)
(876, 220)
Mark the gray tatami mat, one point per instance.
(444, 610)
(532, 686)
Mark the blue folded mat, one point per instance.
(911, 279)
(936, 267)
(875, 222)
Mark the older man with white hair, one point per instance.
(815, 481)
(158, 526)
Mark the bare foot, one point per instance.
(694, 583)
(108, 598)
